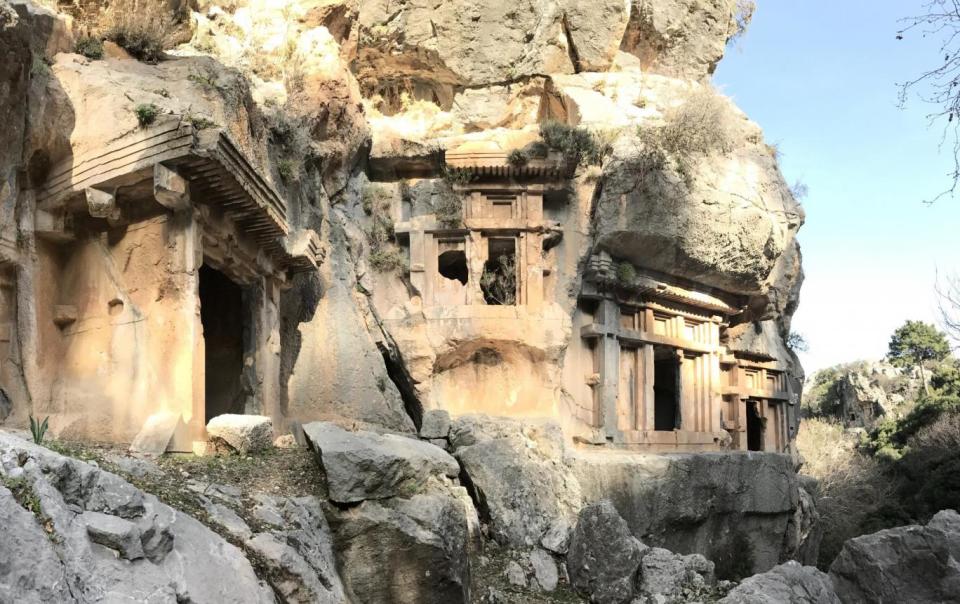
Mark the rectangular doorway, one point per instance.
(666, 389)
(754, 426)
(225, 319)
(499, 280)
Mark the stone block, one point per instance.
(241, 433)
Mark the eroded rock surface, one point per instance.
(788, 583)
(91, 536)
(604, 557)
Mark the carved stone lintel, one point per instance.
(170, 189)
(53, 226)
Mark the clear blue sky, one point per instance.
(820, 77)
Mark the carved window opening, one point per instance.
(452, 260)
(754, 427)
(499, 280)
(224, 312)
(666, 389)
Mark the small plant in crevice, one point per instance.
(287, 169)
(90, 47)
(200, 122)
(385, 256)
(146, 113)
(39, 66)
(38, 429)
(626, 274)
(374, 196)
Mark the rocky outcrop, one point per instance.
(905, 564)
(89, 535)
(789, 583)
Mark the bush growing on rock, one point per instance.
(577, 144)
(142, 28)
(146, 113)
(90, 47)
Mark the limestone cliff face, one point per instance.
(354, 112)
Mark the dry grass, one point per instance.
(853, 487)
(144, 28)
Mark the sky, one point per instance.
(820, 77)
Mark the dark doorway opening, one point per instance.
(223, 316)
(754, 427)
(499, 280)
(452, 264)
(666, 389)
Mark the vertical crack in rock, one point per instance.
(398, 374)
(571, 47)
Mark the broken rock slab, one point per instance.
(435, 424)
(113, 532)
(665, 573)
(364, 465)
(156, 434)
(241, 433)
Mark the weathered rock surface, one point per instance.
(906, 564)
(517, 475)
(667, 574)
(604, 556)
(364, 465)
(788, 583)
(732, 508)
(408, 551)
(241, 433)
(95, 520)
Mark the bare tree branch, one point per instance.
(948, 294)
(940, 86)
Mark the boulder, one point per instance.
(604, 557)
(665, 573)
(557, 537)
(364, 465)
(407, 551)
(518, 476)
(905, 564)
(241, 433)
(788, 583)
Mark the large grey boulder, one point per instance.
(364, 465)
(789, 583)
(241, 433)
(83, 545)
(915, 564)
(604, 556)
(407, 551)
(733, 508)
(518, 475)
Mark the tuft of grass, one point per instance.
(39, 67)
(200, 123)
(146, 114)
(387, 260)
(38, 429)
(90, 47)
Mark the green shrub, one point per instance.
(626, 274)
(90, 47)
(578, 145)
(448, 207)
(386, 260)
(146, 113)
(517, 158)
(374, 197)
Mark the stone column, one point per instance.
(609, 350)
